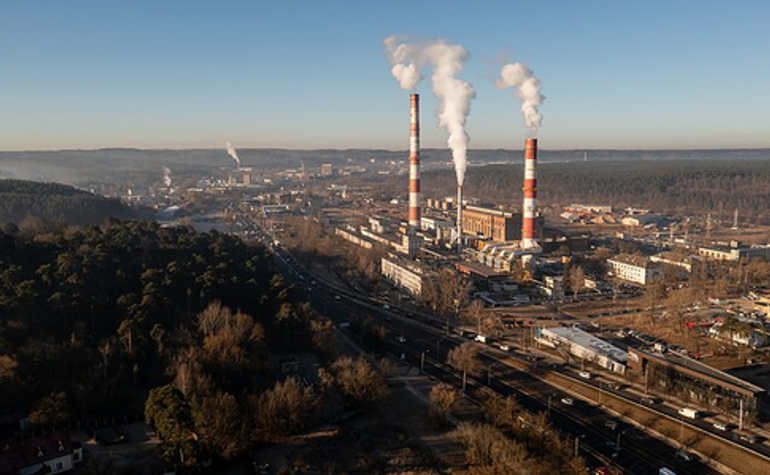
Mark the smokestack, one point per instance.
(415, 212)
(459, 218)
(528, 228)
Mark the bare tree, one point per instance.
(283, 410)
(443, 401)
(358, 380)
(465, 358)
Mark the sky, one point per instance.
(680, 74)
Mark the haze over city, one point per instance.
(190, 74)
(384, 238)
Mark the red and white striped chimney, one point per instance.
(415, 197)
(529, 226)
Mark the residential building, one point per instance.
(51, 453)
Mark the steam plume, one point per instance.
(455, 95)
(520, 77)
(233, 153)
(166, 177)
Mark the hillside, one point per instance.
(698, 186)
(56, 202)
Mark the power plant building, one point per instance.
(497, 225)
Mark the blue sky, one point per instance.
(312, 74)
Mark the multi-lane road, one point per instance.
(422, 341)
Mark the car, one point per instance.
(585, 374)
(650, 400)
(504, 347)
(337, 297)
(568, 401)
(261, 468)
(401, 339)
(386, 307)
(721, 426)
(610, 424)
(749, 438)
(109, 436)
(684, 456)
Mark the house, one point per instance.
(50, 453)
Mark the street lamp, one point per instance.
(549, 404)
(617, 440)
(577, 444)
(422, 361)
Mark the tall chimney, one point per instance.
(415, 212)
(459, 218)
(529, 226)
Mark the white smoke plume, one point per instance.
(166, 177)
(233, 153)
(455, 95)
(528, 87)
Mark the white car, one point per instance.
(585, 374)
(721, 426)
(503, 347)
(401, 339)
(568, 401)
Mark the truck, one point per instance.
(689, 413)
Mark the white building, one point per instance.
(672, 259)
(51, 453)
(408, 275)
(585, 346)
(637, 269)
(735, 252)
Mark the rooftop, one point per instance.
(640, 261)
(586, 340)
(695, 366)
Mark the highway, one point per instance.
(623, 446)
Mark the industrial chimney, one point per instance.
(529, 227)
(459, 218)
(415, 212)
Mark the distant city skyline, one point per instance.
(312, 75)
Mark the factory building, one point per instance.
(637, 269)
(327, 170)
(735, 252)
(691, 380)
(354, 237)
(686, 263)
(585, 346)
(240, 177)
(405, 274)
(497, 225)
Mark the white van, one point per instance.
(689, 413)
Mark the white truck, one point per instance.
(689, 413)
